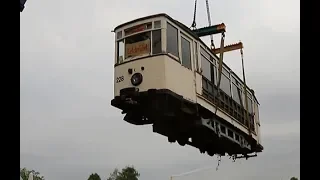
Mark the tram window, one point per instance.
(236, 93)
(250, 105)
(156, 42)
(223, 129)
(120, 47)
(172, 40)
(213, 70)
(138, 28)
(225, 84)
(230, 133)
(249, 102)
(186, 53)
(204, 53)
(237, 137)
(206, 68)
(157, 24)
(204, 84)
(225, 71)
(119, 35)
(137, 45)
(256, 112)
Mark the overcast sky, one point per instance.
(69, 129)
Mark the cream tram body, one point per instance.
(170, 57)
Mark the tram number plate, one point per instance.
(119, 79)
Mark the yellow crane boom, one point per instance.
(228, 48)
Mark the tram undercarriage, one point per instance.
(182, 121)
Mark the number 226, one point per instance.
(119, 79)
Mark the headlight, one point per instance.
(136, 79)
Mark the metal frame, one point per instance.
(216, 126)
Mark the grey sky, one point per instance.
(69, 129)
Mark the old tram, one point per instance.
(165, 75)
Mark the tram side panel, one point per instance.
(151, 68)
(179, 79)
(159, 72)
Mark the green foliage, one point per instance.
(293, 178)
(24, 173)
(114, 174)
(127, 173)
(94, 176)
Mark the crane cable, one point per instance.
(219, 71)
(194, 24)
(209, 21)
(212, 46)
(246, 112)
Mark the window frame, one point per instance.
(152, 39)
(123, 38)
(182, 35)
(196, 56)
(176, 57)
(211, 79)
(140, 56)
(211, 60)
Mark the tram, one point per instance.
(165, 75)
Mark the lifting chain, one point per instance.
(246, 115)
(194, 15)
(217, 94)
(220, 60)
(194, 24)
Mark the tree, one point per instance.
(94, 176)
(127, 173)
(114, 174)
(24, 173)
(293, 178)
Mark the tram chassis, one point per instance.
(183, 121)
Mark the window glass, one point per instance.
(172, 40)
(156, 42)
(186, 53)
(137, 45)
(120, 47)
(138, 28)
(157, 24)
(204, 53)
(250, 105)
(236, 93)
(119, 35)
(206, 68)
(225, 84)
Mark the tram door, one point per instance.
(188, 59)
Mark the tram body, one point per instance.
(166, 76)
